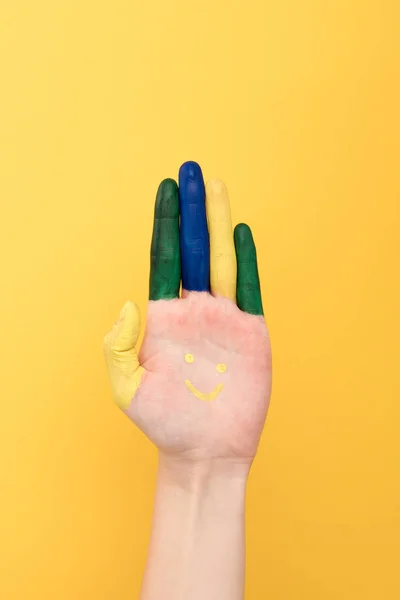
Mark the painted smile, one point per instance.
(201, 395)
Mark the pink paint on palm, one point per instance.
(214, 331)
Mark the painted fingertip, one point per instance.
(190, 171)
(216, 187)
(167, 201)
(128, 305)
(128, 326)
(242, 233)
(122, 315)
(191, 183)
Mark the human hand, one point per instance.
(200, 386)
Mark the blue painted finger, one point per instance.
(194, 238)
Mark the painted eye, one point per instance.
(221, 367)
(189, 358)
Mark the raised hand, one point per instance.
(201, 383)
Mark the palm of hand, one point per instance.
(214, 332)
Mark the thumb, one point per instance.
(121, 356)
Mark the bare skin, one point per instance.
(199, 389)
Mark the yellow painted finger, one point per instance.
(222, 250)
(121, 356)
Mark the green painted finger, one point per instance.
(165, 265)
(248, 291)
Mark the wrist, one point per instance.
(200, 475)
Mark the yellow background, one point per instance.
(295, 104)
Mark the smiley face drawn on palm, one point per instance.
(201, 383)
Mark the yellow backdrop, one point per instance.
(295, 104)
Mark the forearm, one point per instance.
(197, 545)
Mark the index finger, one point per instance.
(165, 265)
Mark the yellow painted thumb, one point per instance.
(121, 355)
